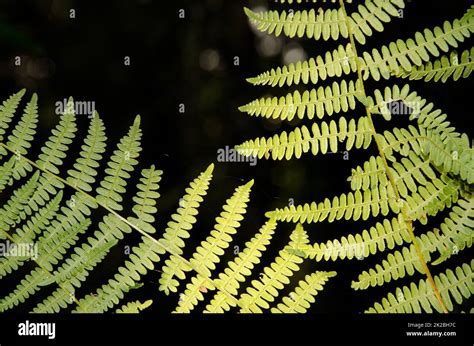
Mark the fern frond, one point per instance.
(372, 15)
(456, 236)
(16, 208)
(455, 66)
(302, 297)
(328, 24)
(73, 272)
(325, 24)
(455, 284)
(342, 60)
(402, 140)
(403, 101)
(134, 307)
(410, 173)
(456, 230)
(370, 175)
(6, 171)
(240, 268)
(434, 121)
(7, 111)
(403, 55)
(19, 141)
(53, 152)
(28, 232)
(353, 205)
(319, 102)
(76, 268)
(145, 200)
(432, 198)
(27, 287)
(390, 60)
(383, 235)
(72, 221)
(178, 229)
(210, 251)
(380, 102)
(273, 278)
(142, 257)
(321, 138)
(84, 170)
(121, 163)
(54, 243)
(456, 156)
(394, 267)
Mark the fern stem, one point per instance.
(133, 226)
(407, 220)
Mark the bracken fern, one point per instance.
(419, 171)
(59, 215)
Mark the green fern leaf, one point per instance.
(394, 267)
(273, 278)
(403, 55)
(7, 111)
(145, 200)
(328, 24)
(27, 234)
(52, 155)
(383, 235)
(417, 298)
(241, 267)
(342, 60)
(319, 102)
(19, 141)
(320, 139)
(121, 163)
(142, 257)
(391, 59)
(210, 251)
(348, 206)
(178, 229)
(16, 208)
(85, 168)
(302, 297)
(134, 307)
(370, 175)
(455, 66)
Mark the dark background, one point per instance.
(190, 61)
